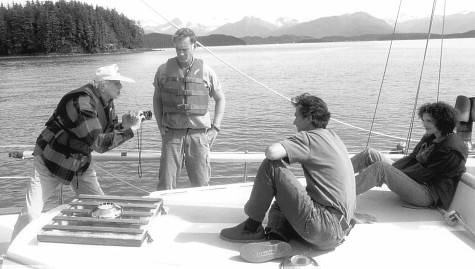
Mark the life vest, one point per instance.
(182, 93)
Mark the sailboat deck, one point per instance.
(188, 237)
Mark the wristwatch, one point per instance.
(214, 127)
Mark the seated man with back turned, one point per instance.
(319, 213)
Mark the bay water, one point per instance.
(258, 82)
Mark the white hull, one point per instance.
(188, 236)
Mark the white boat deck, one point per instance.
(188, 237)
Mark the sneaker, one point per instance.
(240, 235)
(265, 251)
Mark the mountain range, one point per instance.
(347, 25)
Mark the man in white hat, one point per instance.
(83, 121)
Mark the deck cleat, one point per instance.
(451, 218)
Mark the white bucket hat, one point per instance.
(110, 72)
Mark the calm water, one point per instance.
(346, 75)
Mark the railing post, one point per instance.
(61, 194)
(245, 168)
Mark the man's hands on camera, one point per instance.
(132, 120)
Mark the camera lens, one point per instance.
(147, 115)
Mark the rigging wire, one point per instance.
(441, 49)
(219, 58)
(120, 179)
(384, 75)
(258, 82)
(420, 80)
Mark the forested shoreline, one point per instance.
(65, 27)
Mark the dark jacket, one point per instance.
(437, 163)
(81, 123)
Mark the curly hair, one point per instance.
(444, 115)
(184, 33)
(314, 107)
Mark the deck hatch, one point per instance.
(74, 224)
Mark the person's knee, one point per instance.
(381, 168)
(373, 155)
(371, 151)
(273, 163)
(383, 165)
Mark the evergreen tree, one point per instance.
(65, 27)
(4, 41)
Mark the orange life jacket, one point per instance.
(185, 93)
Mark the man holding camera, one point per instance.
(183, 87)
(83, 121)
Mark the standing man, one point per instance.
(318, 213)
(83, 121)
(183, 87)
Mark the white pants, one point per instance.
(42, 186)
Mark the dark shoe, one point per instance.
(239, 234)
(275, 236)
(265, 251)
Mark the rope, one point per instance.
(258, 82)
(420, 80)
(464, 224)
(123, 181)
(384, 75)
(365, 130)
(441, 47)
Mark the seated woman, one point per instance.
(430, 174)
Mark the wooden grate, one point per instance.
(75, 225)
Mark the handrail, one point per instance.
(124, 155)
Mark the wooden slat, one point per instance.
(68, 211)
(97, 220)
(75, 211)
(93, 229)
(121, 204)
(120, 198)
(86, 239)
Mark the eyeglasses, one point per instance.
(114, 82)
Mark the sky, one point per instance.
(219, 12)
